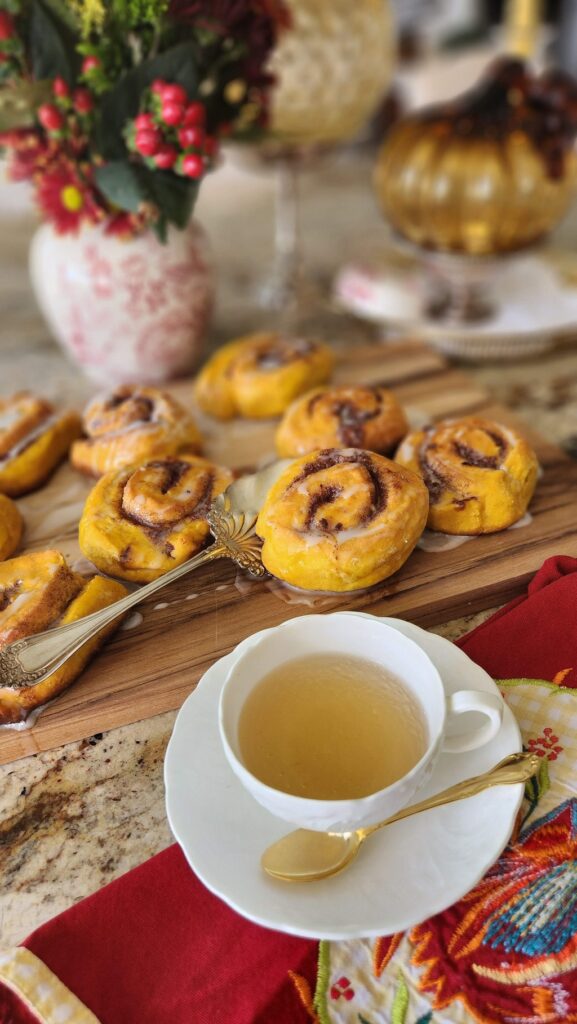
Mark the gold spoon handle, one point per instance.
(515, 768)
(29, 661)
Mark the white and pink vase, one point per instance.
(125, 310)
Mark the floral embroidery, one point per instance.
(384, 952)
(508, 950)
(546, 745)
(342, 988)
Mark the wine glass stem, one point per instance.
(287, 232)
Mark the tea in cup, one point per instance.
(334, 721)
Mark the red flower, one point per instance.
(66, 199)
(29, 151)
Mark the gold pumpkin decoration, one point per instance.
(490, 172)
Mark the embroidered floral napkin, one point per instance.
(155, 947)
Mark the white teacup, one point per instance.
(366, 637)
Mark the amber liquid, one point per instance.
(330, 727)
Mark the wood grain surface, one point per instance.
(156, 659)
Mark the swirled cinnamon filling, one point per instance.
(22, 419)
(123, 410)
(281, 351)
(163, 492)
(329, 493)
(8, 594)
(471, 457)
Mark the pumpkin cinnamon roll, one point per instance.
(130, 425)
(140, 522)
(343, 417)
(341, 519)
(33, 441)
(480, 475)
(11, 527)
(259, 376)
(39, 591)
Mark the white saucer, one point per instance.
(403, 875)
(535, 303)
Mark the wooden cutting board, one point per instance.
(157, 657)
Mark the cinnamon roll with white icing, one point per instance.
(34, 439)
(259, 376)
(130, 425)
(480, 475)
(139, 522)
(38, 591)
(348, 417)
(341, 520)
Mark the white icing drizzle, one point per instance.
(30, 720)
(132, 621)
(20, 446)
(432, 541)
(8, 418)
(526, 520)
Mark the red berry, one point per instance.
(83, 101)
(90, 63)
(172, 113)
(166, 157)
(191, 136)
(6, 25)
(60, 88)
(173, 93)
(158, 86)
(194, 114)
(50, 117)
(148, 142)
(144, 122)
(193, 166)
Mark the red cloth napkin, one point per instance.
(156, 946)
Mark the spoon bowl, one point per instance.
(308, 856)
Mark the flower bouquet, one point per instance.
(114, 110)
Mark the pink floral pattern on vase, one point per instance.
(125, 310)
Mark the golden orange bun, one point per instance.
(33, 441)
(259, 376)
(11, 527)
(347, 417)
(140, 522)
(480, 475)
(130, 425)
(341, 519)
(38, 591)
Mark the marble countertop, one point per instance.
(75, 818)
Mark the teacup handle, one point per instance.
(488, 704)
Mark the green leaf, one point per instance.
(119, 182)
(64, 13)
(160, 228)
(400, 1002)
(174, 196)
(52, 45)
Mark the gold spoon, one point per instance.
(306, 856)
(232, 519)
